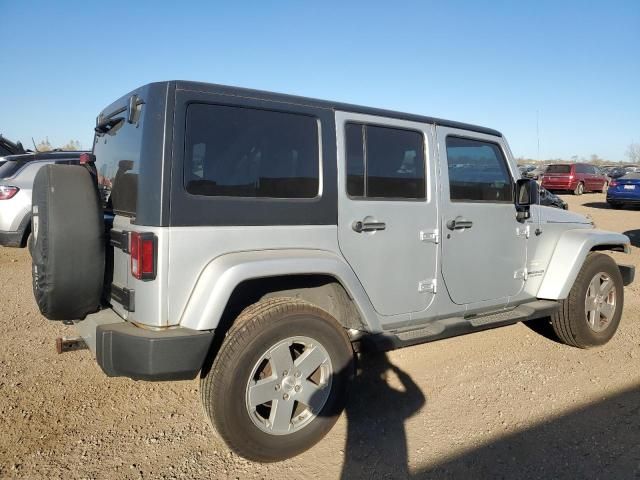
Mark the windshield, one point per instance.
(558, 169)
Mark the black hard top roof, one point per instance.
(264, 95)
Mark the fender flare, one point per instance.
(223, 274)
(569, 255)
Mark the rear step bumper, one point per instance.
(125, 350)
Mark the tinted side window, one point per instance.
(354, 137)
(477, 171)
(384, 162)
(245, 152)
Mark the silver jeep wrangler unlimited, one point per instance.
(260, 239)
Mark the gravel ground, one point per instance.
(506, 403)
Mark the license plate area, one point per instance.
(629, 187)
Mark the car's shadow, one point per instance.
(599, 440)
(605, 206)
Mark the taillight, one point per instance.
(7, 192)
(570, 177)
(613, 183)
(143, 255)
(87, 158)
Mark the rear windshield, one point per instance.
(558, 169)
(117, 153)
(10, 167)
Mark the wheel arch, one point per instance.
(569, 256)
(233, 281)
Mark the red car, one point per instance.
(577, 177)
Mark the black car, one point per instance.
(552, 200)
(7, 147)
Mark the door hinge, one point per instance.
(427, 286)
(523, 231)
(431, 236)
(522, 273)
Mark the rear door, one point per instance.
(387, 209)
(483, 245)
(117, 150)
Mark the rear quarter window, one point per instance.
(247, 152)
(558, 169)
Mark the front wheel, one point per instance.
(579, 190)
(590, 315)
(279, 382)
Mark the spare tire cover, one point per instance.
(67, 250)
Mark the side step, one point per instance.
(454, 326)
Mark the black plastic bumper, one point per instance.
(11, 239)
(628, 273)
(124, 350)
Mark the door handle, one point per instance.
(359, 226)
(459, 223)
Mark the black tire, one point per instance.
(579, 190)
(67, 244)
(570, 322)
(615, 206)
(224, 386)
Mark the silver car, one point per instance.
(16, 179)
(261, 241)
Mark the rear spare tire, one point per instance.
(67, 246)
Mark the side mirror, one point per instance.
(527, 194)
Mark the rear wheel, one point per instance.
(591, 313)
(579, 190)
(278, 383)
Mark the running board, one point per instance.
(454, 326)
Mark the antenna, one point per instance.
(34, 145)
(538, 131)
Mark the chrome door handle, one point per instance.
(359, 226)
(459, 223)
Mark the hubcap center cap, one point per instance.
(289, 383)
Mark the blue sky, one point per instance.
(494, 63)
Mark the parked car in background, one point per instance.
(7, 147)
(549, 199)
(624, 191)
(16, 179)
(536, 173)
(575, 177)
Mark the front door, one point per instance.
(387, 215)
(483, 245)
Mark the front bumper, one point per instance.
(124, 350)
(628, 273)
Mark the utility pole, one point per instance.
(538, 132)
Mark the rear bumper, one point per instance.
(623, 199)
(560, 186)
(11, 239)
(124, 350)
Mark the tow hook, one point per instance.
(69, 344)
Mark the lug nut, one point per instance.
(277, 387)
(297, 388)
(285, 373)
(285, 396)
(297, 374)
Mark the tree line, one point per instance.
(45, 146)
(632, 156)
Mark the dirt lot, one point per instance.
(506, 403)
